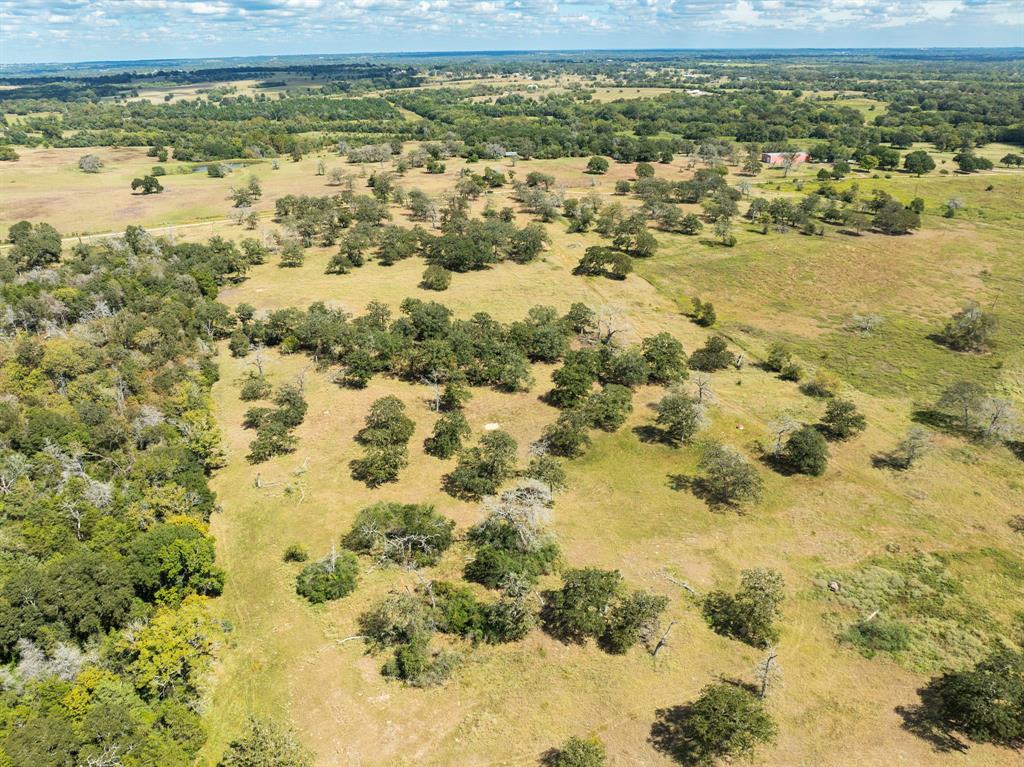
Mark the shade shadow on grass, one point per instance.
(915, 720)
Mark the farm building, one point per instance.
(778, 158)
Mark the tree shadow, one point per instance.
(701, 489)
(916, 721)
(778, 463)
(944, 422)
(1017, 448)
(649, 434)
(668, 733)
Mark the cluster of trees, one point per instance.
(424, 344)
(385, 439)
(275, 425)
(106, 443)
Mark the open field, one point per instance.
(506, 705)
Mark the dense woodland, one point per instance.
(109, 350)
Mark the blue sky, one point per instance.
(78, 30)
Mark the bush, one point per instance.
(969, 330)
(548, 470)
(633, 618)
(380, 465)
(579, 752)
(481, 470)
(401, 533)
(725, 722)
(878, 635)
(567, 436)
(597, 165)
(729, 478)
(679, 418)
(263, 745)
(496, 562)
(823, 384)
(332, 577)
(436, 277)
(295, 553)
(842, 420)
(254, 386)
(607, 410)
(714, 355)
(806, 452)
(399, 618)
(386, 424)
(449, 431)
(985, 703)
(666, 360)
(750, 614)
(415, 665)
(577, 610)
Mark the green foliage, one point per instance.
(400, 533)
(714, 355)
(806, 452)
(726, 722)
(266, 744)
(449, 432)
(332, 577)
(842, 420)
(436, 277)
(33, 246)
(548, 470)
(295, 552)
(481, 470)
(751, 613)
(679, 418)
(729, 478)
(665, 358)
(578, 610)
(597, 165)
(970, 329)
(607, 409)
(926, 619)
(985, 703)
(567, 436)
(579, 752)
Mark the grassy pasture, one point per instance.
(507, 705)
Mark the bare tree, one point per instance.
(768, 673)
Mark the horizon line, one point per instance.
(499, 51)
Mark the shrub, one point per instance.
(379, 465)
(254, 386)
(399, 618)
(666, 360)
(597, 165)
(969, 330)
(239, 344)
(332, 577)
(415, 665)
(607, 410)
(842, 420)
(386, 424)
(881, 634)
(729, 478)
(633, 618)
(295, 553)
(679, 418)
(449, 431)
(806, 452)
(750, 614)
(579, 752)
(548, 470)
(725, 722)
(481, 470)
(985, 703)
(823, 384)
(567, 436)
(436, 277)
(265, 743)
(714, 355)
(577, 610)
(401, 533)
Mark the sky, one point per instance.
(91, 30)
